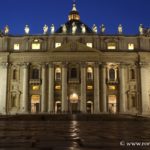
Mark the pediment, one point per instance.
(75, 47)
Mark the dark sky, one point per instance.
(36, 13)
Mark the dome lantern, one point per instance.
(74, 14)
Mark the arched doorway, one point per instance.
(35, 103)
(57, 107)
(74, 103)
(112, 103)
(89, 107)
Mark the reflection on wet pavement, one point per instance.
(72, 135)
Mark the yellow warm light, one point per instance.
(16, 46)
(36, 46)
(89, 45)
(111, 46)
(90, 87)
(57, 45)
(112, 88)
(35, 98)
(130, 46)
(35, 87)
(57, 87)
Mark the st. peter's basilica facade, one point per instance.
(75, 69)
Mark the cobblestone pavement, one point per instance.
(74, 135)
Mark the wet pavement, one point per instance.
(75, 135)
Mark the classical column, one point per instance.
(122, 88)
(43, 89)
(64, 88)
(51, 89)
(145, 87)
(25, 90)
(3, 87)
(103, 88)
(96, 89)
(83, 89)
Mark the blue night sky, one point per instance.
(36, 13)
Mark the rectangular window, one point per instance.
(130, 46)
(111, 46)
(57, 45)
(57, 87)
(89, 87)
(35, 87)
(112, 87)
(16, 46)
(36, 46)
(89, 45)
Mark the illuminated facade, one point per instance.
(75, 70)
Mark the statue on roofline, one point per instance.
(74, 28)
(83, 29)
(27, 29)
(45, 29)
(64, 29)
(102, 28)
(94, 28)
(52, 29)
(6, 30)
(120, 29)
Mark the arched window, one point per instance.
(73, 72)
(57, 74)
(112, 74)
(14, 74)
(89, 73)
(132, 73)
(35, 74)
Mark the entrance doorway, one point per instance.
(112, 103)
(89, 107)
(74, 103)
(35, 103)
(58, 107)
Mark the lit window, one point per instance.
(57, 87)
(57, 74)
(130, 46)
(57, 45)
(36, 46)
(89, 73)
(112, 87)
(90, 87)
(35, 87)
(111, 46)
(89, 45)
(16, 46)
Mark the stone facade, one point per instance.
(65, 73)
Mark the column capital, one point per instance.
(103, 65)
(4, 64)
(83, 64)
(51, 64)
(144, 64)
(123, 65)
(64, 64)
(25, 65)
(97, 64)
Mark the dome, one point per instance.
(74, 25)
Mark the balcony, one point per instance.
(35, 81)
